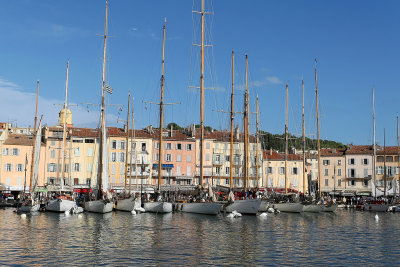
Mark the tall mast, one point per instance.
(133, 148)
(398, 155)
(161, 113)
(318, 143)
(103, 122)
(286, 138)
(64, 130)
(246, 119)
(384, 161)
(232, 118)
(127, 144)
(304, 139)
(374, 146)
(257, 144)
(201, 92)
(34, 137)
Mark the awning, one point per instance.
(348, 194)
(364, 194)
(164, 166)
(41, 189)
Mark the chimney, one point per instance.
(237, 135)
(193, 130)
(333, 150)
(149, 129)
(270, 151)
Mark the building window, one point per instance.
(365, 183)
(207, 145)
(178, 170)
(188, 146)
(389, 159)
(379, 170)
(168, 146)
(237, 170)
(189, 158)
(8, 167)
(15, 152)
(352, 182)
(227, 170)
(326, 173)
(114, 144)
(76, 181)
(326, 162)
(228, 158)
(188, 171)
(122, 157)
(113, 156)
(364, 161)
(326, 182)
(51, 167)
(281, 170)
(5, 151)
(352, 161)
(294, 170)
(89, 167)
(77, 167)
(227, 181)
(217, 159)
(157, 145)
(380, 159)
(217, 170)
(352, 173)
(88, 181)
(52, 154)
(269, 170)
(51, 180)
(143, 147)
(77, 152)
(178, 146)
(168, 157)
(207, 157)
(122, 145)
(365, 172)
(339, 182)
(339, 162)
(20, 167)
(339, 172)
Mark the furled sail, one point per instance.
(38, 141)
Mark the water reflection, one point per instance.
(119, 238)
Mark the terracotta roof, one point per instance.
(389, 150)
(329, 152)
(19, 140)
(274, 155)
(364, 149)
(3, 125)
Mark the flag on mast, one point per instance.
(109, 89)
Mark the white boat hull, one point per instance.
(60, 205)
(99, 206)
(244, 206)
(313, 208)
(29, 208)
(158, 207)
(288, 207)
(127, 204)
(330, 208)
(210, 208)
(264, 206)
(376, 207)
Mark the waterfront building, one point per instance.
(387, 157)
(358, 165)
(274, 171)
(333, 171)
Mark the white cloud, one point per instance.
(267, 80)
(18, 107)
(273, 80)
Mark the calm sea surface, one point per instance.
(118, 238)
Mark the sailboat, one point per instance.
(128, 203)
(102, 202)
(62, 203)
(211, 208)
(244, 206)
(160, 206)
(31, 205)
(287, 206)
(312, 206)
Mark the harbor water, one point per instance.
(120, 238)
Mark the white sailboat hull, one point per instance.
(127, 204)
(158, 207)
(376, 207)
(330, 208)
(264, 205)
(98, 206)
(29, 208)
(60, 205)
(244, 206)
(210, 208)
(288, 207)
(313, 208)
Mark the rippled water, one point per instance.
(118, 238)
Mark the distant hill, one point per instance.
(277, 142)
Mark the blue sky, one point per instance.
(356, 44)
